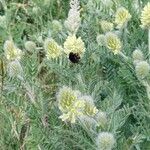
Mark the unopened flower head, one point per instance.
(100, 39)
(14, 69)
(3, 21)
(122, 17)
(74, 45)
(30, 46)
(101, 119)
(106, 26)
(105, 141)
(145, 16)
(137, 56)
(74, 112)
(107, 3)
(73, 21)
(89, 108)
(142, 69)
(66, 98)
(88, 122)
(113, 42)
(53, 50)
(57, 26)
(11, 51)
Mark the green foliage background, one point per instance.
(110, 80)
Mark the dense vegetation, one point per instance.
(43, 54)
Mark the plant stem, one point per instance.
(149, 43)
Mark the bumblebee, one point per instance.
(74, 57)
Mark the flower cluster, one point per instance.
(13, 55)
(74, 45)
(145, 16)
(142, 68)
(11, 51)
(113, 42)
(73, 21)
(73, 105)
(122, 17)
(106, 26)
(53, 50)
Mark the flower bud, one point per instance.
(14, 69)
(30, 46)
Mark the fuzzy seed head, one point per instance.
(105, 141)
(145, 16)
(137, 56)
(53, 50)
(74, 45)
(122, 17)
(113, 42)
(106, 26)
(142, 69)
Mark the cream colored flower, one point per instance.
(74, 45)
(122, 17)
(66, 98)
(73, 21)
(145, 16)
(11, 51)
(106, 26)
(113, 42)
(142, 69)
(89, 107)
(53, 50)
(74, 112)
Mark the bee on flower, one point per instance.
(11, 51)
(113, 42)
(122, 17)
(74, 47)
(145, 16)
(53, 50)
(106, 26)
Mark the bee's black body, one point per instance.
(74, 57)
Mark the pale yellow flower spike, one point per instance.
(113, 43)
(74, 45)
(11, 51)
(106, 26)
(145, 16)
(53, 50)
(122, 17)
